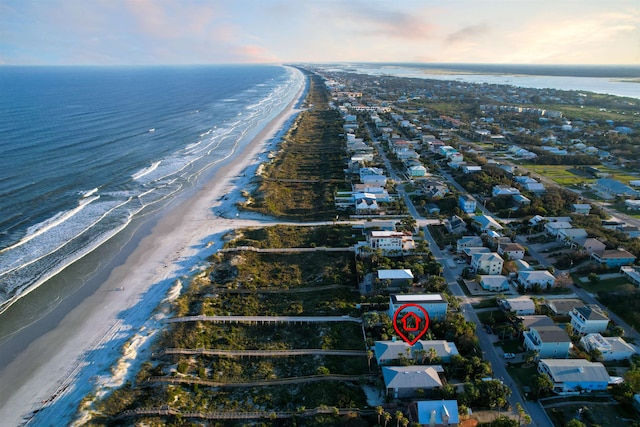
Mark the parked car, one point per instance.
(508, 355)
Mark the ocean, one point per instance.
(86, 151)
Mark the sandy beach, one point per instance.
(96, 345)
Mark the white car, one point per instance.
(508, 355)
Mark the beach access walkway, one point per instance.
(287, 250)
(279, 381)
(265, 319)
(265, 353)
(166, 410)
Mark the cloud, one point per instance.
(466, 34)
(371, 20)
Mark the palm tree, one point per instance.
(387, 417)
(398, 416)
(379, 411)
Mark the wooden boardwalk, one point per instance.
(280, 381)
(265, 353)
(266, 319)
(168, 411)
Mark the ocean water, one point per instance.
(612, 80)
(87, 150)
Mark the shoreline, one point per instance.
(96, 342)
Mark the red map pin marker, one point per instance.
(411, 323)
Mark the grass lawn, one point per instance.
(613, 284)
(520, 374)
(486, 303)
(562, 174)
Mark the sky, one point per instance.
(154, 32)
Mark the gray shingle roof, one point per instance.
(575, 370)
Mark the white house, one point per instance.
(504, 190)
(553, 228)
(388, 352)
(469, 242)
(581, 208)
(487, 263)
(390, 242)
(549, 341)
(512, 250)
(610, 348)
(486, 222)
(520, 305)
(396, 276)
(434, 304)
(529, 278)
(588, 319)
(405, 381)
(569, 375)
(494, 283)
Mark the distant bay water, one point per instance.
(86, 150)
(612, 80)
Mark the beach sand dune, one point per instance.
(99, 343)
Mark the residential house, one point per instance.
(535, 321)
(530, 278)
(520, 305)
(494, 283)
(396, 277)
(390, 242)
(432, 208)
(613, 257)
(572, 236)
(549, 341)
(631, 231)
(468, 242)
(433, 189)
(588, 319)
(487, 263)
(455, 225)
(436, 413)
(633, 205)
(610, 188)
(511, 250)
(468, 253)
(522, 265)
(486, 222)
(434, 304)
(570, 375)
(563, 306)
(581, 208)
(365, 203)
(610, 348)
(467, 203)
(467, 169)
(534, 187)
(553, 228)
(389, 352)
(417, 171)
(405, 381)
(504, 190)
(632, 273)
(591, 245)
(521, 200)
